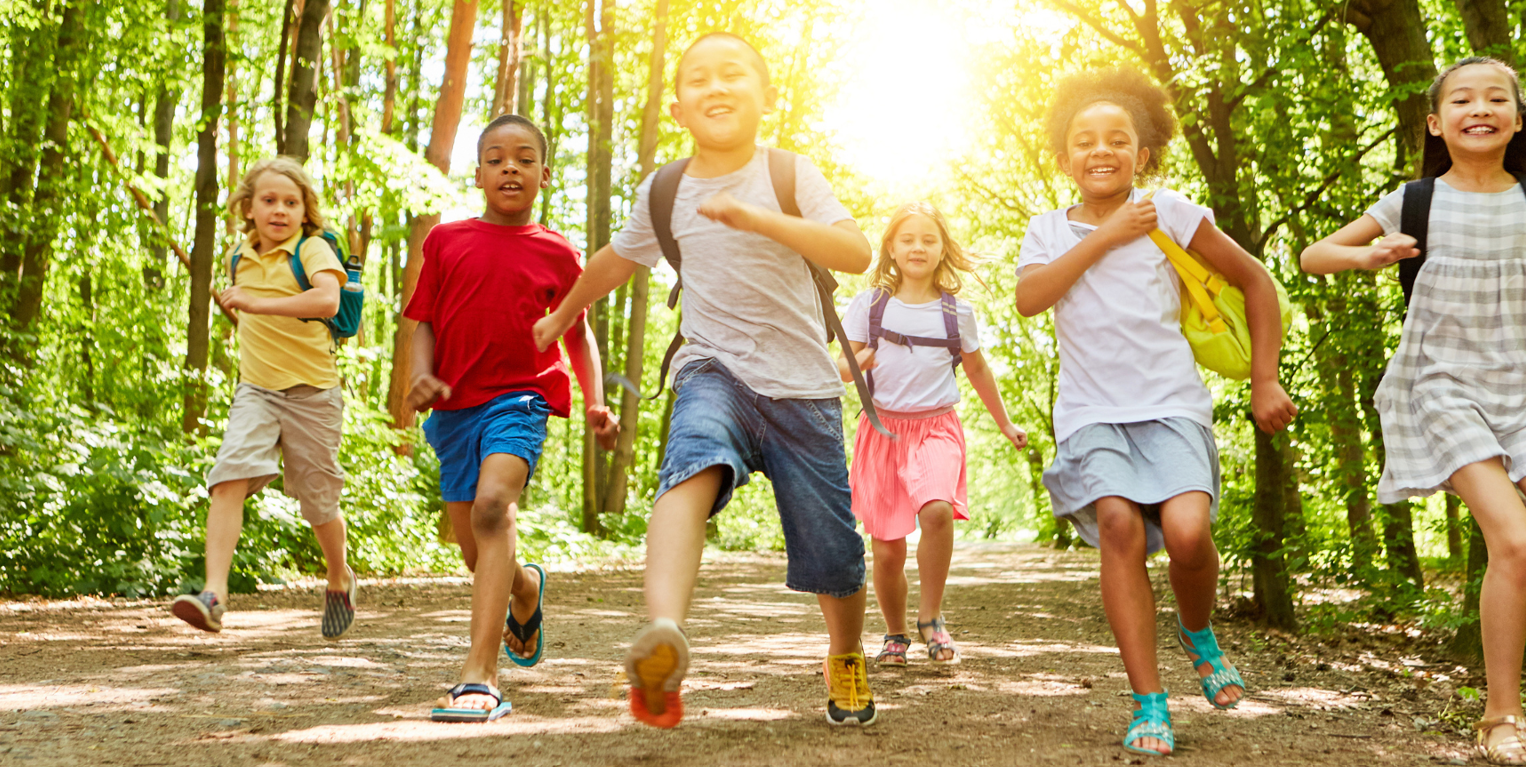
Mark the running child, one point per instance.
(756, 387)
(288, 406)
(1451, 401)
(912, 332)
(1136, 468)
(484, 283)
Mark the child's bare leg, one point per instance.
(225, 521)
(935, 551)
(331, 539)
(1194, 569)
(676, 536)
(1127, 597)
(460, 513)
(1493, 501)
(890, 582)
(499, 485)
(845, 621)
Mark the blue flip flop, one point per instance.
(472, 714)
(528, 629)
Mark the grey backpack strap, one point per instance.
(781, 171)
(660, 199)
(951, 326)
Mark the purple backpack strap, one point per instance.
(951, 326)
(876, 328)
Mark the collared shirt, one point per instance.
(281, 352)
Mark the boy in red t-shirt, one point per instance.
(484, 283)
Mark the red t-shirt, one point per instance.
(482, 287)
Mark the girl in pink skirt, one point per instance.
(910, 333)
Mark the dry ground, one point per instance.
(123, 683)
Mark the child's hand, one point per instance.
(865, 359)
(1391, 249)
(1016, 436)
(730, 211)
(549, 328)
(425, 391)
(1271, 407)
(236, 299)
(606, 427)
(1129, 222)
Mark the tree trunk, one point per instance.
(32, 74)
(1455, 552)
(506, 93)
(1468, 643)
(640, 285)
(52, 182)
(283, 45)
(202, 249)
(601, 119)
(1269, 573)
(1345, 419)
(389, 96)
(302, 96)
(232, 98)
(164, 137)
(442, 138)
(525, 104)
(1399, 540)
(1488, 26)
(1396, 30)
(549, 107)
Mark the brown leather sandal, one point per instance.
(1511, 750)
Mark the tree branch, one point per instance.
(1108, 34)
(1314, 195)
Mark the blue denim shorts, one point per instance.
(513, 423)
(796, 443)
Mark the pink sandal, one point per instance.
(935, 634)
(894, 651)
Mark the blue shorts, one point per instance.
(796, 443)
(513, 423)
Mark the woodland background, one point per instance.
(123, 125)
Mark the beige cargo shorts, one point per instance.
(303, 425)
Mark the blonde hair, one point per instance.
(954, 259)
(239, 201)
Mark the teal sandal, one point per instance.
(1152, 720)
(1205, 649)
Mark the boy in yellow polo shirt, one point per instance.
(288, 404)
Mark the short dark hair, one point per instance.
(1148, 107)
(757, 58)
(513, 119)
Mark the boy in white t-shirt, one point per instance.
(911, 332)
(756, 388)
(1136, 467)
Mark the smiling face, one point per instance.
(277, 209)
(721, 94)
(1477, 113)
(1102, 151)
(917, 247)
(510, 172)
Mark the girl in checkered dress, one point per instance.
(1453, 400)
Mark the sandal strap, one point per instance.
(1152, 720)
(1204, 647)
(1485, 725)
(475, 688)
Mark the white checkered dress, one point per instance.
(1455, 391)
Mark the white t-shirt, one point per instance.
(1123, 358)
(913, 380)
(748, 301)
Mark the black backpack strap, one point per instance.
(951, 326)
(660, 199)
(1415, 221)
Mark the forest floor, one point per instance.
(124, 683)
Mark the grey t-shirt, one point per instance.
(748, 301)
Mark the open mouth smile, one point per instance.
(1480, 130)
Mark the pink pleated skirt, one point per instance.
(893, 479)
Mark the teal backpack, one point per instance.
(352, 294)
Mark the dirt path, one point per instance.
(123, 683)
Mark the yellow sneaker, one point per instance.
(849, 700)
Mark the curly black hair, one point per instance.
(1148, 106)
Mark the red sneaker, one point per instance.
(655, 665)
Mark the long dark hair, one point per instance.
(1435, 159)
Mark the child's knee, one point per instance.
(492, 511)
(936, 516)
(1119, 524)
(1191, 548)
(890, 553)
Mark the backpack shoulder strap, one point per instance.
(660, 198)
(781, 171)
(1415, 221)
(951, 325)
(297, 270)
(877, 316)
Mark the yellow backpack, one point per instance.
(1213, 312)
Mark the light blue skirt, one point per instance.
(1147, 462)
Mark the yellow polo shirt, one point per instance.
(281, 352)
